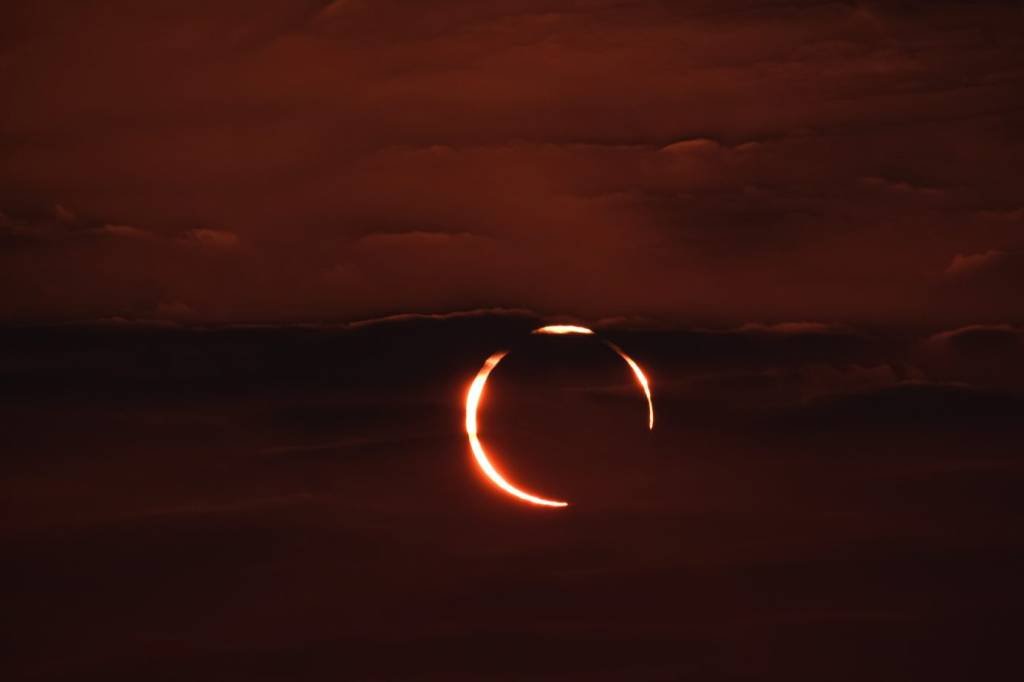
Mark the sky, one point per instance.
(736, 161)
(252, 255)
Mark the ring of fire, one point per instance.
(475, 395)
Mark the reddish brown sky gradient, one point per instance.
(253, 253)
(737, 160)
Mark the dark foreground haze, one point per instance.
(300, 503)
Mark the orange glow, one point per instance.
(641, 379)
(563, 329)
(473, 397)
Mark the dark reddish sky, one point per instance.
(285, 502)
(741, 160)
(804, 219)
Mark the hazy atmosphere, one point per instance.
(252, 256)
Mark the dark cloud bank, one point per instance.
(278, 502)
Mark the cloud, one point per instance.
(794, 328)
(986, 285)
(64, 214)
(65, 227)
(334, 9)
(986, 355)
(979, 336)
(900, 186)
(915, 403)
(213, 239)
(35, 231)
(456, 315)
(612, 159)
(1013, 215)
(963, 265)
(782, 384)
(818, 380)
(123, 231)
(695, 146)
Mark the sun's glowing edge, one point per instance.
(473, 397)
(637, 371)
(563, 329)
(641, 379)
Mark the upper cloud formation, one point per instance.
(980, 263)
(216, 239)
(126, 231)
(987, 284)
(706, 161)
(975, 263)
